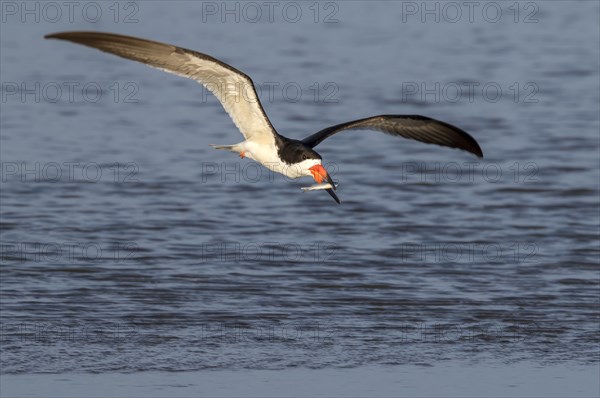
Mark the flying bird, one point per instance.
(236, 92)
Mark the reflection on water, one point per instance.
(129, 244)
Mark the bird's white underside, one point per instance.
(267, 156)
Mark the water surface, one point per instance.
(159, 253)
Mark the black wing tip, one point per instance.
(53, 35)
(88, 35)
(64, 35)
(472, 146)
(81, 37)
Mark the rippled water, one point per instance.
(129, 244)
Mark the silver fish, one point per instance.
(325, 185)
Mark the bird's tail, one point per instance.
(238, 148)
(226, 147)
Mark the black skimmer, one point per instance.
(236, 92)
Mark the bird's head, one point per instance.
(307, 162)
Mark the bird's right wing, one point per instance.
(415, 127)
(233, 88)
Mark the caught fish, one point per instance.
(325, 185)
(330, 187)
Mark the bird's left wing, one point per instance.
(233, 88)
(420, 128)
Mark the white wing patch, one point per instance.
(237, 95)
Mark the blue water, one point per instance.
(128, 244)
